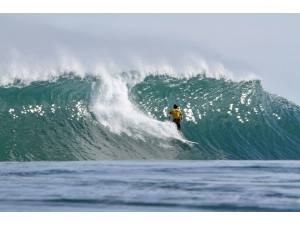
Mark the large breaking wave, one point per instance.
(74, 117)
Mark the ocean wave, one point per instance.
(90, 117)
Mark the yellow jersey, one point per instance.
(176, 113)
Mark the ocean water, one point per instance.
(102, 141)
(72, 116)
(175, 185)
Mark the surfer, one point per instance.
(176, 115)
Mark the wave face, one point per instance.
(73, 118)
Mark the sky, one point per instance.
(264, 44)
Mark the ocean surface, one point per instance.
(103, 142)
(176, 185)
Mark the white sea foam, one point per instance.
(115, 111)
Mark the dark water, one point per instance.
(150, 186)
(54, 120)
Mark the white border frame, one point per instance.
(149, 6)
(155, 218)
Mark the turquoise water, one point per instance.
(75, 118)
(150, 186)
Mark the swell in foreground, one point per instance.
(150, 186)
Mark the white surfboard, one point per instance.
(189, 142)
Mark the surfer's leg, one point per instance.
(178, 125)
(177, 122)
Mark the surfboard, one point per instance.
(190, 142)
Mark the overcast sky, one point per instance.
(265, 44)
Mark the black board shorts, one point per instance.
(177, 121)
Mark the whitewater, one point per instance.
(107, 113)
